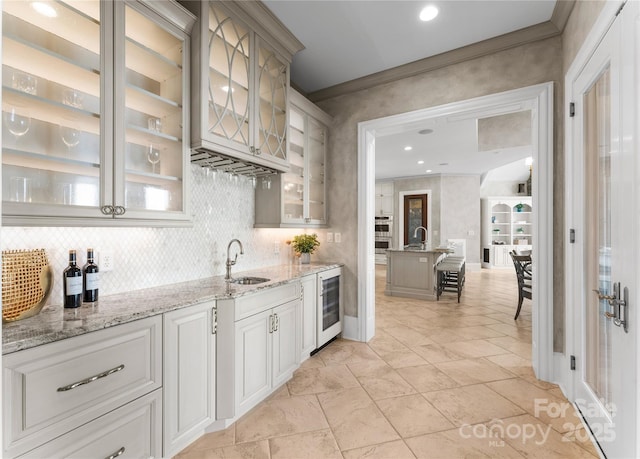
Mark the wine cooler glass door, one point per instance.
(329, 305)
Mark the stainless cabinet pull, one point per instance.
(271, 324)
(120, 452)
(119, 210)
(91, 379)
(277, 322)
(107, 210)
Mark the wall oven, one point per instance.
(329, 323)
(383, 229)
(383, 226)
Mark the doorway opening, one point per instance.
(539, 99)
(414, 217)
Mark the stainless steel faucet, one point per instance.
(424, 241)
(231, 262)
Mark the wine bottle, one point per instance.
(72, 283)
(90, 279)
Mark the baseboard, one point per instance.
(561, 372)
(351, 328)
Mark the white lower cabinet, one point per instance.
(308, 316)
(132, 431)
(189, 375)
(50, 390)
(266, 353)
(258, 347)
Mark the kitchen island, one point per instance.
(411, 272)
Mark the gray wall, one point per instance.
(510, 69)
(460, 213)
(455, 209)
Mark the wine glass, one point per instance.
(70, 136)
(24, 82)
(17, 121)
(153, 156)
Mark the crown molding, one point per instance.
(561, 13)
(492, 45)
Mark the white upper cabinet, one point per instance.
(240, 86)
(95, 105)
(297, 198)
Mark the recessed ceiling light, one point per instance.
(428, 13)
(444, 164)
(425, 131)
(421, 162)
(428, 170)
(408, 148)
(44, 9)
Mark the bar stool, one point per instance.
(450, 276)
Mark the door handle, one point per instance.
(619, 304)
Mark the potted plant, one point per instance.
(305, 245)
(519, 207)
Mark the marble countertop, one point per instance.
(428, 249)
(54, 322)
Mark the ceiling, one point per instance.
(451, 148)
(347, 41)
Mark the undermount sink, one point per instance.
(249, 280)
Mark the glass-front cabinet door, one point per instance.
(240, 89)
(293, 190)
(272, 84)
(153, 87)
(314, 176)
(52, 123)
(227, 112)
(93, 111)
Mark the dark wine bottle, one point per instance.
(72, 283)
(90, 279)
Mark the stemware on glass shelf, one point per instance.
(153, 156)
(17, 119)
(72, 98)
(155, 124)
(24, 82)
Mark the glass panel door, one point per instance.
(597, 146)
(228, 78)
(154, 158)
(293, 181)
(315, 171)
(272, 104)
(51, 106)
(415, 215)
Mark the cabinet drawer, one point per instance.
(57, 387)
(134, 431)
(249, 305)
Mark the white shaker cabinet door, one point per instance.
(286, 347)
(189, 375)
(253, 346)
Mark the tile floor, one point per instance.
(439, 380)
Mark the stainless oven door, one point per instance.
(329, 323)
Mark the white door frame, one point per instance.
(538, 98)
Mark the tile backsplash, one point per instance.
(222, 208)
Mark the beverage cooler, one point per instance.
(329, 305)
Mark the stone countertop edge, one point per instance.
(55, 323)
(415, 249)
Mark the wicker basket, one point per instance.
(26, 283)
